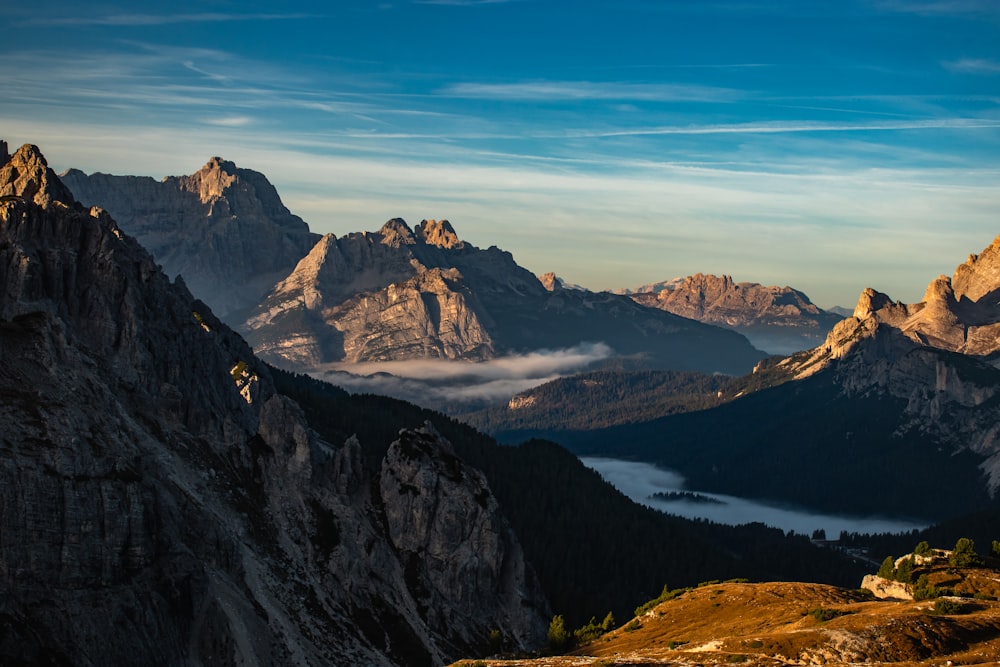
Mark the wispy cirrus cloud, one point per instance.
(792, 127)
(557, 91)
(974, 66)
(464, 3)
(939, 7)
(157, 19)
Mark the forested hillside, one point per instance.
(593, 549)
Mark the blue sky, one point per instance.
(825, 145)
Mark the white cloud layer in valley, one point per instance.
(445, 385)
(639, 481)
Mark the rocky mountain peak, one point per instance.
(979, 275)
(438, 233)
(214, 178)
(223, 228)
(26, 174)
(777, 319)
(550, 281)
(940, 290)
(396, 233)
(870, 302)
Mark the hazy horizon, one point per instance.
(826, 146)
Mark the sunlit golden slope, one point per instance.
(783, 624)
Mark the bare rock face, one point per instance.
(550, 281)
(439, 233)
(935, 355)
(454, 550)
(27, 175)
(777, 319)
(965, 319)
(427, 316)
(404, 294)
(223, 228)
(156, 489)
(979, 276)
(886, 589)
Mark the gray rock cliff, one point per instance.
(157, 490)
(223, 228)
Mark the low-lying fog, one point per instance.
(639, 481)
(449, 386)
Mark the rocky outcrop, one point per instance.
(933, 354)
(780, 320)
(886, 589)
(438, 233)
(552, 282)
(959, 314)
(156, 489)
(404, 294)
(223, 228)
(460, 556)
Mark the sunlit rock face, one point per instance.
(223, 228)
(937, 354)
(777, 319)
(157, 490)
(959, 314)
(421, 293)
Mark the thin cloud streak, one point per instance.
(974, 66)
(939, 7)
(464, 3)
(588, 90)
(784, 127)
(159, 19)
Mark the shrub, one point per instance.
(558, 637)
(822, 614)
(592, 630)
(922, 590)
(945, 606)
(923, 549)
(496, 641)
(904, 573)
(964, 554)
(632, 625)
(888, 568)
(665, 595)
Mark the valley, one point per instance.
(416, 538)
(667, 491)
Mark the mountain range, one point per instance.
(403, 293)
(780, 320)
(895, 413)
(399, 293)
(162, 486)
(157, 489)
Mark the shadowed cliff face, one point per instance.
(223, 228)
(155, 488)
